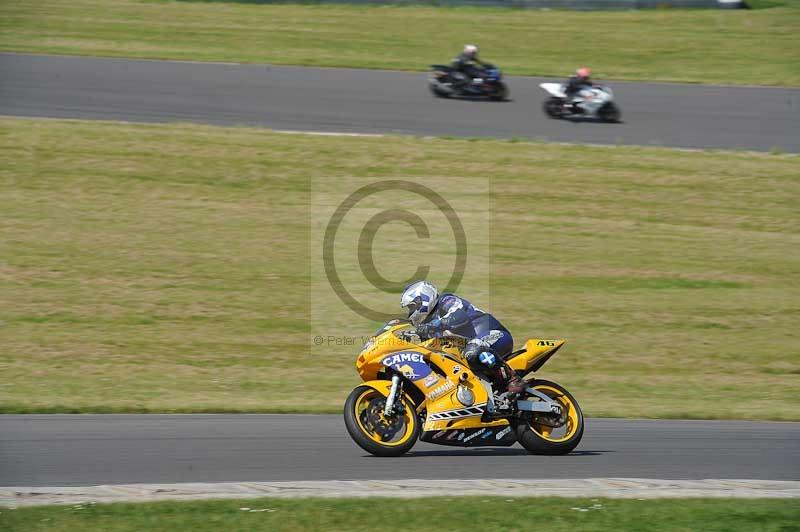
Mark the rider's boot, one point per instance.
(509, 379)
(506, 381)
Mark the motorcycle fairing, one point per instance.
(410, 364)
(437, 370)
(467, 422)
(556, 89)
(382, 386)
(536, 352)
(482, 436)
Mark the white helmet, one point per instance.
(419, 298)
(471, 50)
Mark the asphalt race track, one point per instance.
(74, 450)
(364, 101)
(82, 450)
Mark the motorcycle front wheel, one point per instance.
(375, 432)
(609, 113)
(548, 434)
(501, 92)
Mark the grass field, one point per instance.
(456, 514)
(166, 268)
(757, 47)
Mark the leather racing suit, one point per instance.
(470, 67)
(488, 340)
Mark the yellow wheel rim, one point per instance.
(573, 419)
(408, 419)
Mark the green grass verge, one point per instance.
(757, 47)
(445, 514)
(166, 268)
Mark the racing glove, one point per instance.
(428, 330)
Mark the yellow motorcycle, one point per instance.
(425, 390)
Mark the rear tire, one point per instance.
(609, 113)
(436, 83)
(553, 107)
(539, 438)
(355, 411)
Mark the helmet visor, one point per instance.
(413, 305)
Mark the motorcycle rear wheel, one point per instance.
(538, 438)
(364, 419)
(553, 107)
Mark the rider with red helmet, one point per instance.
(578, 82)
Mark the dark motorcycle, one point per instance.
(445, 82)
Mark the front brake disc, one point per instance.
(385, 427)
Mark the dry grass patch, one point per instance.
(166, 268)
(758, 47)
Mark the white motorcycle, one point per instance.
(592, 102)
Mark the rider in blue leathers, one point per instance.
(489, 341)
(467, 66)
